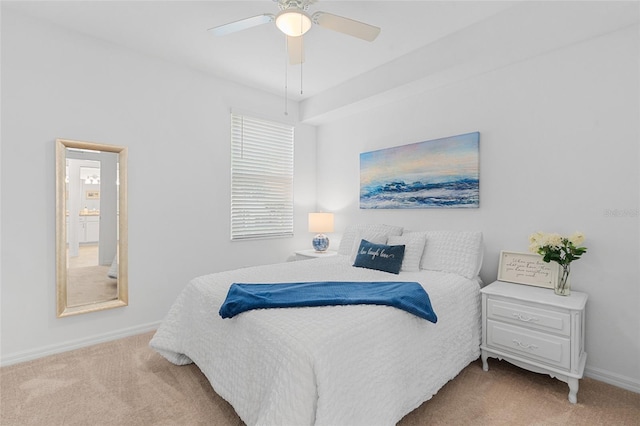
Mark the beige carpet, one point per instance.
(90, 284)
(126, 383)
(87, 281)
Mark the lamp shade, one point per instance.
(320, 222)
(293, 23)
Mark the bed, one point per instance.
(334, 365)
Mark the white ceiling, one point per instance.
(176, 31)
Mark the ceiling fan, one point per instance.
(294, 21)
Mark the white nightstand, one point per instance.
(535, 329)
(312, 254)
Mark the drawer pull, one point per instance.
(524, 345)
(525, 318)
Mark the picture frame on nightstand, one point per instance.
(527, 268)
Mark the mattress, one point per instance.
(329, 365)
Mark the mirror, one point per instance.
(91, 227)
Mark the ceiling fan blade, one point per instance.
(295, 49)
(242, 24)
(346, 26)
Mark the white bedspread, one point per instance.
(335, 365)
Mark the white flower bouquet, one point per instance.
(557, 248)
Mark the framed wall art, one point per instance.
(93, 195)
(440, 173)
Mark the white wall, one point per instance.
(558, 152)
(175, 122)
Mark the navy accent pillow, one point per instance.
(380, 257)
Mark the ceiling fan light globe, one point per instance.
(293, 23)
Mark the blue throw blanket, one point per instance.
(408, 296)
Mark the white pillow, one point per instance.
(349, 235)
(459, 252)
(414, 243)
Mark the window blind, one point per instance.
(261, 178)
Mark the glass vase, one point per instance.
(563, 284)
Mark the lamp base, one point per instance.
(320, 243)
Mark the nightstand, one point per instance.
(535, 329)
(312, 254)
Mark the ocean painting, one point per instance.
(440, 173)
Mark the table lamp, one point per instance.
(320, 223)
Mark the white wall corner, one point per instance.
(614, 379)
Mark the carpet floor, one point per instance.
(87, 281)
(124, 382)
(90, 284)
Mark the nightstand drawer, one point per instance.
(529, 316)
(527, 343)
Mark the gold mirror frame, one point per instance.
(122, 297)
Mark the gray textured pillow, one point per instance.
(459, 252)
(349, 235)
(414, 243)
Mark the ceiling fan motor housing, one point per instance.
(293, 4)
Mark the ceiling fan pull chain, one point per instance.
(301, 44)
(286, 66)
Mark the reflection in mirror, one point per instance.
(91, 227)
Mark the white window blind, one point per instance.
(261, 178)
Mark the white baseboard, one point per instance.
(613, 379)
(76, 344)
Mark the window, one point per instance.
(261, 178)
